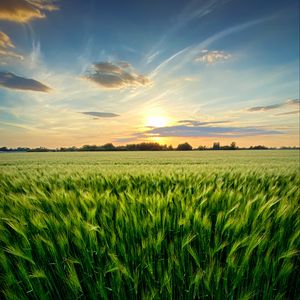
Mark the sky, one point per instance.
(76, 72)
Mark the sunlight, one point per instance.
(156, 121)
(156, 139)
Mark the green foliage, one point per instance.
(101, 226)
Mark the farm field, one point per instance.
(150, 225)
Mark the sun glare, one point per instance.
(156, 121)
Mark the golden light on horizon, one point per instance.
(156, 139)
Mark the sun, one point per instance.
(156, 121)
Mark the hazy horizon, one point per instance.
(197, 71)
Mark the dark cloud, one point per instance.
(266, 108)
(115, 75)
(23, 11)
(192, 128)
(274, 106)
(12, 81)
(100, 114)
(208, 131)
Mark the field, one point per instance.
(150, 225)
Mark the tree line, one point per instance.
(141, 147)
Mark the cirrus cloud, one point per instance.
(12, 81)
(115, 75)
(23, 11)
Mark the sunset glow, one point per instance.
(156, 121)
(96, 72)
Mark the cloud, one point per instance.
(12, 81)
(116, 75)
(289, 113)
(198, 123)
(100, 114)
(23, 11)
(293, 101)
(211, 57)
(6, 45)
(208, 131)
(185, 55)
(152, 56)
(195, 129)
(265, 108)
(274, 106)
(4, 54)
(5, 41)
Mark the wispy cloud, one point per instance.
(152, 56)
(199, 123)
(23, 11)
(5, 41)
(12, 81)
(212, 57)
(274, 106)
(6, 46)
(188, 54)
(195, 9)
(98, 114)
(294, 112)
(115, 75)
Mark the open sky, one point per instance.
(75, 72)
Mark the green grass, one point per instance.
(196, 225)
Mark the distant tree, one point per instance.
(225, 147)
(258, 147)
(184, 147)
(201, 148)
(89, 148)
(233, 146)
(40, 149)
(170, 148)
(216, 146)
(131, 147)
(108, 147)
(22, 149)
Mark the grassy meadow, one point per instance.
(150, 225)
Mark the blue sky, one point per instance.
(91, 72)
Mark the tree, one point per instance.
(258, 147)
(216, 146)
(184, 147)
(201, 148)
(108, 147)
(233, 146)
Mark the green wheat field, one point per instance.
(150, 225)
